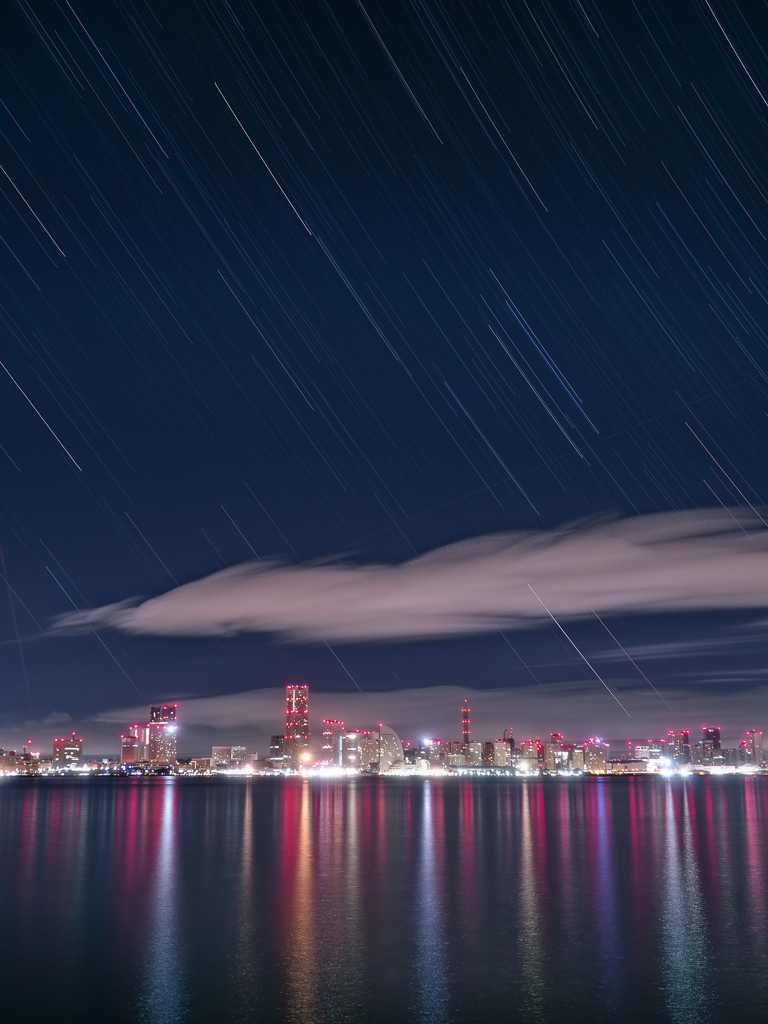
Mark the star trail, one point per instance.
(329, 288)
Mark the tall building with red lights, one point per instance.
(465, 724)
(162, 734)
(67, 752)
(296, 721)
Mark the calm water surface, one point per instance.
(167, 901)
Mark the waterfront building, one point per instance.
(710, 745)
(578, 759)
(532, 752)
(501, 754)
(473, 753)
(332, 751)
(455, 760)
(132, 748)
(390, 748)
(596, 755)
(277, 750)
(162, 734)
(67, 753)
(228, 757)
(297, 740)
(679, 746)
(488, 754)
(220, 757)
(753, 748)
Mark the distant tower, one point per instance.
(465, 723)
(296, 722)
(162, 734)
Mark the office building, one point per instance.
(277, 751)
(752, 748)
(390, 748)
(161, 747)
(679, 746)
(296, 743)
(332, 751)
(221, 757)
(501, 754)
(67, 753)
(133, 748)
(596, 755)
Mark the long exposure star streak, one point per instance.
(340, 323)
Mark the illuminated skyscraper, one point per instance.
(710, 743)
(67, 753)
(752, 745)
(133, 748)
(162, 734)
(679, 746)
(333, 737)
(596, 754)
(296, 722)
(390, 748)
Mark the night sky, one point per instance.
(341, 283)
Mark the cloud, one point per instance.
(672, 561)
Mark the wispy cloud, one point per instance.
(674, 561)
(669, 649)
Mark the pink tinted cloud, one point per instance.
(667, 562)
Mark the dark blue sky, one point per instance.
(357, 280)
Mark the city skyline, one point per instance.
(139, 744)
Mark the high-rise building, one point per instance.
(162, 734)
(332, 746)
(752, 745)
(473, 753)
(277, 750)
(501, 754)
(712, 733)
(390, 748)
(67, 753)
(221, 757)
(132, 746)
(532, 753)
(679, 746)
(596, 754)
(296, 722)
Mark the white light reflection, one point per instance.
(163, 1000)
(529, 934)
(685, 946)
(430, 960)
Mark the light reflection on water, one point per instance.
(430, 960)
(172, 901)
(163, 997)
(685, 949)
